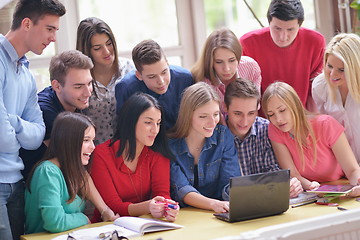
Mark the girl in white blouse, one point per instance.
(336, 92)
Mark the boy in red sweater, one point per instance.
(285, 51)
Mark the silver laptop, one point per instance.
(257, 195)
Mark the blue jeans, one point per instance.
(11, 210)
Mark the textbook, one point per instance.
(303, 198)
(144, 225)
(125, 226)
(332, 189)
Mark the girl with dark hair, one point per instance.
(96, 40)
(132, 169)
(58, 185)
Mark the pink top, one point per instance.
(249, 69)
(296, 64)
(119, 187)
(327, 131)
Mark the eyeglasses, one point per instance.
(104, 236)
(70, 237)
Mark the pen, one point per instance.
(341, 208)
(169, 205)
(304, 203)
(172, 206)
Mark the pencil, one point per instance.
(304, 203)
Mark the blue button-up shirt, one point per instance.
(217, 164)
(21, 122)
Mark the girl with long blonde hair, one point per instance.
(313, 147)
(336, 92)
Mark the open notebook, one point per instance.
(125, 226)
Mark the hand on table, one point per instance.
(171, 210)
(109, 216)
(160, 207)
(219, 206)
(355, 192)
(295, 187)
(313, 185)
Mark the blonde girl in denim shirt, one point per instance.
(205, 154)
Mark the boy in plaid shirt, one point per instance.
(250, 131)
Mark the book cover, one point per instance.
(339, 189)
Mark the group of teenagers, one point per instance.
(145, 137)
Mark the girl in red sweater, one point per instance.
(132, 169)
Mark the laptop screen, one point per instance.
(259, 195)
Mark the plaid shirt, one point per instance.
(255, 153)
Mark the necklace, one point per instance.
(139, 197)
(191, 146)
(291, 135)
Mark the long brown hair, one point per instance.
(65, 145)
(204, 66)
(193, 97)
(86, 30)
(300, 116)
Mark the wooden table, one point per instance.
(200, 224)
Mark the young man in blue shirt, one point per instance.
(154, 76)
(70, 90)
(33, 28)
(255, 153)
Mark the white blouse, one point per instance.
(348, 115)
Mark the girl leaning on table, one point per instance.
(206, 157)
(132, 169)
(58, 185)
(313, 147)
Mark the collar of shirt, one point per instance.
(9, 48)
(253, 132)
(183, 148)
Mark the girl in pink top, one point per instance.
(221, 63)
(313, 147)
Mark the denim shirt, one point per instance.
(217, 164)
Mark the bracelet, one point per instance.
(102, 212)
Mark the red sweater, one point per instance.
(296, 65)
(119, 187)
